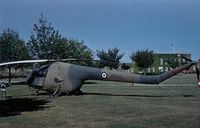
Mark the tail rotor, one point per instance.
(197, 72)
(197, 68)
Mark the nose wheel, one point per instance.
(78, 92)
(57, 92)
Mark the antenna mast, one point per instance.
(173, 47)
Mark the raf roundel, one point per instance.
(104, 75)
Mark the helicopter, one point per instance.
(65, 78)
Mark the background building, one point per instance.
(164, 62)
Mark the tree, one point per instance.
(143, 59)
(47, 43)
(44, 39)
(111, 58)
(125, 66)
(80, 51)
(12, 47)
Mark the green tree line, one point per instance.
(47, 43)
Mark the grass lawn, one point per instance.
(173, 104)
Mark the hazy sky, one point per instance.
(127, 24)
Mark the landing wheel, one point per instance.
(78, 92)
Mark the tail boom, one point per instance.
(134, 78)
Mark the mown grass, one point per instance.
(107, 105)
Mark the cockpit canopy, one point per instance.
(37, 75)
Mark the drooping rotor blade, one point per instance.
(41, 61)
(25, 62)
(73, 59)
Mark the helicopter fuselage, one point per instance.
(68, 78)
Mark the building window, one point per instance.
(183, 60)
(148, 70)
(166, 69)
(160, 69)
(161, 61)
(179, 60)
(153, 69)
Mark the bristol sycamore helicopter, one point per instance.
(65, 78)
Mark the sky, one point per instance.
(130, 25)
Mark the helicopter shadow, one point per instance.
(15, 106)
(122, 95)
(135, 95)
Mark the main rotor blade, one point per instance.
(72, 59)
(25, 62)
(41, 61)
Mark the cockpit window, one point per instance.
(43, 71)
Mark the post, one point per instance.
(3, 90)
